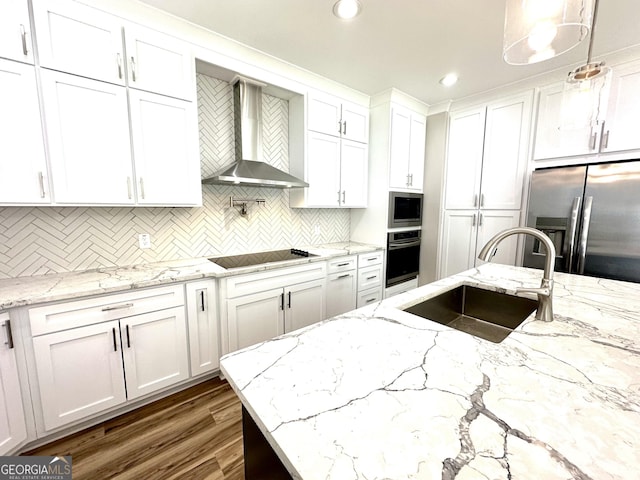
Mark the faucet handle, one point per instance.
(546, 291)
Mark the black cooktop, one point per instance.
(249, 259)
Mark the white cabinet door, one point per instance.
(464, 159)
(304, 304)
(23, 169)
(13, 430)
(323, 170)
(506, 143)
(400, 148)
(458, 249)
(341, 293)
(355, 123)
(623, 114)
(202, 319)
(78, 39)
(491, 222)
(89, 146)
(353, 174)
(417, 152)
(159, 63)
(154, 349)
(165, 147)
(551, 141)
(324, 114)
(15, 31)
(80, 372)
(255, 318)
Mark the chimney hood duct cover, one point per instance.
(249, 169)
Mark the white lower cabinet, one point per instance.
(465, 232)
(342, 282)
(202, 320)
(284, 300)
(13, 429)
(93, 355)
(80, 372)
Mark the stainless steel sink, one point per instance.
(483, 313)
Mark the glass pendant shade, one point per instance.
(537, 30)
(585, 97)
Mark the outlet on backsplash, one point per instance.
(144, 240)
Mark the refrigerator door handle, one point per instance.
(582, 249)
(570, 241)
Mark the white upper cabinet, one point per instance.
(164, 149)
(487, 155)
(620, 130)
(330, 115)
(15, 31)
(89, 143)
(77, 39)
(506, 143)
(23, 169)
(335, 158)
(616, 132)
(159, 63)
(464, 158)
(408, 130)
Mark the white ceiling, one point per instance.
(407, 44)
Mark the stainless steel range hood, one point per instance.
(249, 169)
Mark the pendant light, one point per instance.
(586, 91)
(537, 30)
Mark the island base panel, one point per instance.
(260, 461)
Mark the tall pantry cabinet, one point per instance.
(484, 180)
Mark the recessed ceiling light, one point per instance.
(347, 9)
(449, 79)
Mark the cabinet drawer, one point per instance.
(62, 316)
(371, 258)
(342, 264)
(277, 278)
(369, 277)
(368, 297)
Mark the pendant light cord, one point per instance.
(593, 27)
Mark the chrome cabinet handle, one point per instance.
(41, 182)
(369, 300)
(605, 139)
(480, 220)
(339, 192)
(9, 342)
(133, 69)
(142, 187)
(289, 300)
(475, 200)
(339, 126)
(411, 179)
(23, 35)
(592, 141)
(117, 307)
(342, 264)
(371, 278)
(344, 127)
(129, 187)
(344, 196)
(482, 199)
(119, 62)
(343, 276)
(474, 220)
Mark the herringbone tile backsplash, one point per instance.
(38, 240)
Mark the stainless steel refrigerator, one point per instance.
(592, 214)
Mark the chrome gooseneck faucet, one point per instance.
(545, 292)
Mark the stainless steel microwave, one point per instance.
(405, 209)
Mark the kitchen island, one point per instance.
(379, 393)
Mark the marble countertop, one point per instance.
(379, 393)
(17, 292)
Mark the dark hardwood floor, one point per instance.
(193, 434)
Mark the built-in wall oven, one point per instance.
(403, 256)
(405, 209)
